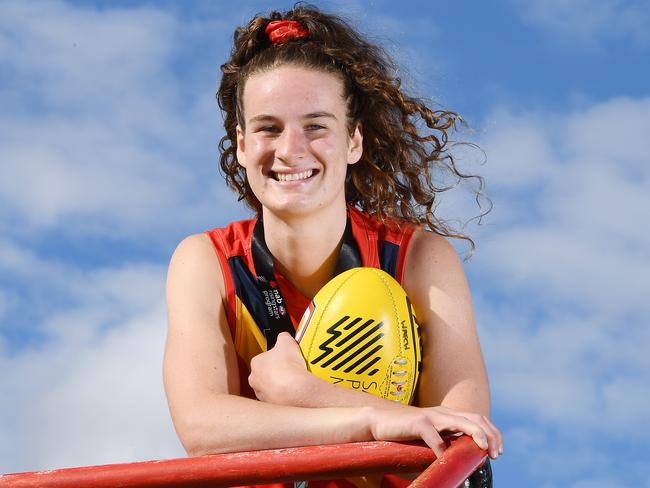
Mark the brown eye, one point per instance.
(268, 128)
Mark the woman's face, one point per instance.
(296, 145)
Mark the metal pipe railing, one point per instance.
(454, 466)
(271, 466)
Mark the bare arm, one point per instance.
(454, 372)
(280, 376)
(202, 378)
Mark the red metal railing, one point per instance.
(271, 466)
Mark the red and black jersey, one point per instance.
(256, 313)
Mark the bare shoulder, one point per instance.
(194, 249)
(432, 245)
(194, 263)
(432, 260)
(195, 285)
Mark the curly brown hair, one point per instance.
(394, 177)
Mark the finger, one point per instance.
(432, 438)
(457, 423)
(283, 340)
(288, 345)
(281, 345)
(492, 434)
(480, 438)
(498, 435)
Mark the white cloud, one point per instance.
(100, 135)
(578, 232)
(99, 399)
(589, 21)
(524, 441)
(14, 259)
(562, 272)
(552, 459)
(569, 372)
(74, 54)
(91, 392)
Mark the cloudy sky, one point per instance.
(108, 133)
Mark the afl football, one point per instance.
(360, 332)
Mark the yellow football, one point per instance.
(360, 332)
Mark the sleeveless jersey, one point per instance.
(379, 245)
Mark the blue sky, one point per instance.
(108, 133)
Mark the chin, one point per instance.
(300, 204)
(291, 208)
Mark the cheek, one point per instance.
(259, 153)
(335, 154)
(254, 146)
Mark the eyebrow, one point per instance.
(317, 115)
(312, 115)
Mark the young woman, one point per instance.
(324, 145)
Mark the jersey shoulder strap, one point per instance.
(382, 245)
(232, 245)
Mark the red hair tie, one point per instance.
(280, 31)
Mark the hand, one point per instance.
(493, 434)
(276, 375)
(410, 423)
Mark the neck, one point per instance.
(305, 249)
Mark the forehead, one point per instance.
(289, 90)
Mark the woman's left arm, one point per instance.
(453, 373)
(453, 380)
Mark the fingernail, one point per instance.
(500, 450)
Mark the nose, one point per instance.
(291, 145)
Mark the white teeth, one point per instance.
(294, 176)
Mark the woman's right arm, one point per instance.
(201, 375)
(202, 380)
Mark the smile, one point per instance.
(292, 176)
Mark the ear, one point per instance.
(241, 148)
(355, 147)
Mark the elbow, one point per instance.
(191, 440)
(199, 439)
(196, 449)
(196, 445)
(194, 437)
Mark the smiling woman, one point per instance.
(324, 145)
